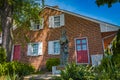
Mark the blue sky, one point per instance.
(90, 9)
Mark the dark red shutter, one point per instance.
(16, 53)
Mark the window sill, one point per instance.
(54, 54)
(33, 55)
(36, 29)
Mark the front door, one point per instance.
(82, 51)
(16, 53)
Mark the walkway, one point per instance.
(46, 76)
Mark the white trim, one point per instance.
(53, 49)
(81, 16)
(38, 49)
(12, 53)
(109, 36)
(87, 50)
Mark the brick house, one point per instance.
(87, 38)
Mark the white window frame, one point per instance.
(51, 47)
(57, 21)
(52, 21)
(39, 46)
(87, 50)
(34, 24)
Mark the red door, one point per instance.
(82, 50)
(16, 54)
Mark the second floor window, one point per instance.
(36, 24)
(56, 21)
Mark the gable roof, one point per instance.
(82, 16)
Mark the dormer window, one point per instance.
(36, 24)
(56, 21)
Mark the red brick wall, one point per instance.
(76, 28)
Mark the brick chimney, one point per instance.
(57, 7)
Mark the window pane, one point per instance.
(84, 41)
(78, 47)
(84, 47)
(78, 41)
(56, 23)
(35, 48)
(57, 18)
(56, 47)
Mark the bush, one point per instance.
(108, 69)
(2, 55)
(12, 68)
(52, 62)
(77, 72)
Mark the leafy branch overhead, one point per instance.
(108, 2)
(16, 13)
(22, 10)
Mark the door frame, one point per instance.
(13, 51)
(87, 50)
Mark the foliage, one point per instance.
(108, 2)
(15, 69)
(23, 11)
(2, 55)
(108, 69)
(77, 72)
(116, 49)
(52, 62)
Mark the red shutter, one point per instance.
(82, 50)
(17, 51)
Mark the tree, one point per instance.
(108, 2)
(15, 13)
(116, 49)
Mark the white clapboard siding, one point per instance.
(107, 28)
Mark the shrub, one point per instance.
(77, 72)
(52, 62)
(2, 55)
(108, 69)
(16, 68)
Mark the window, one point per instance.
(37, 24)
(81, 44)
(56, 21)
(34, 49)
(54, 47)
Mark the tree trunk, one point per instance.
(6, 19)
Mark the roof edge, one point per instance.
(82, 16)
